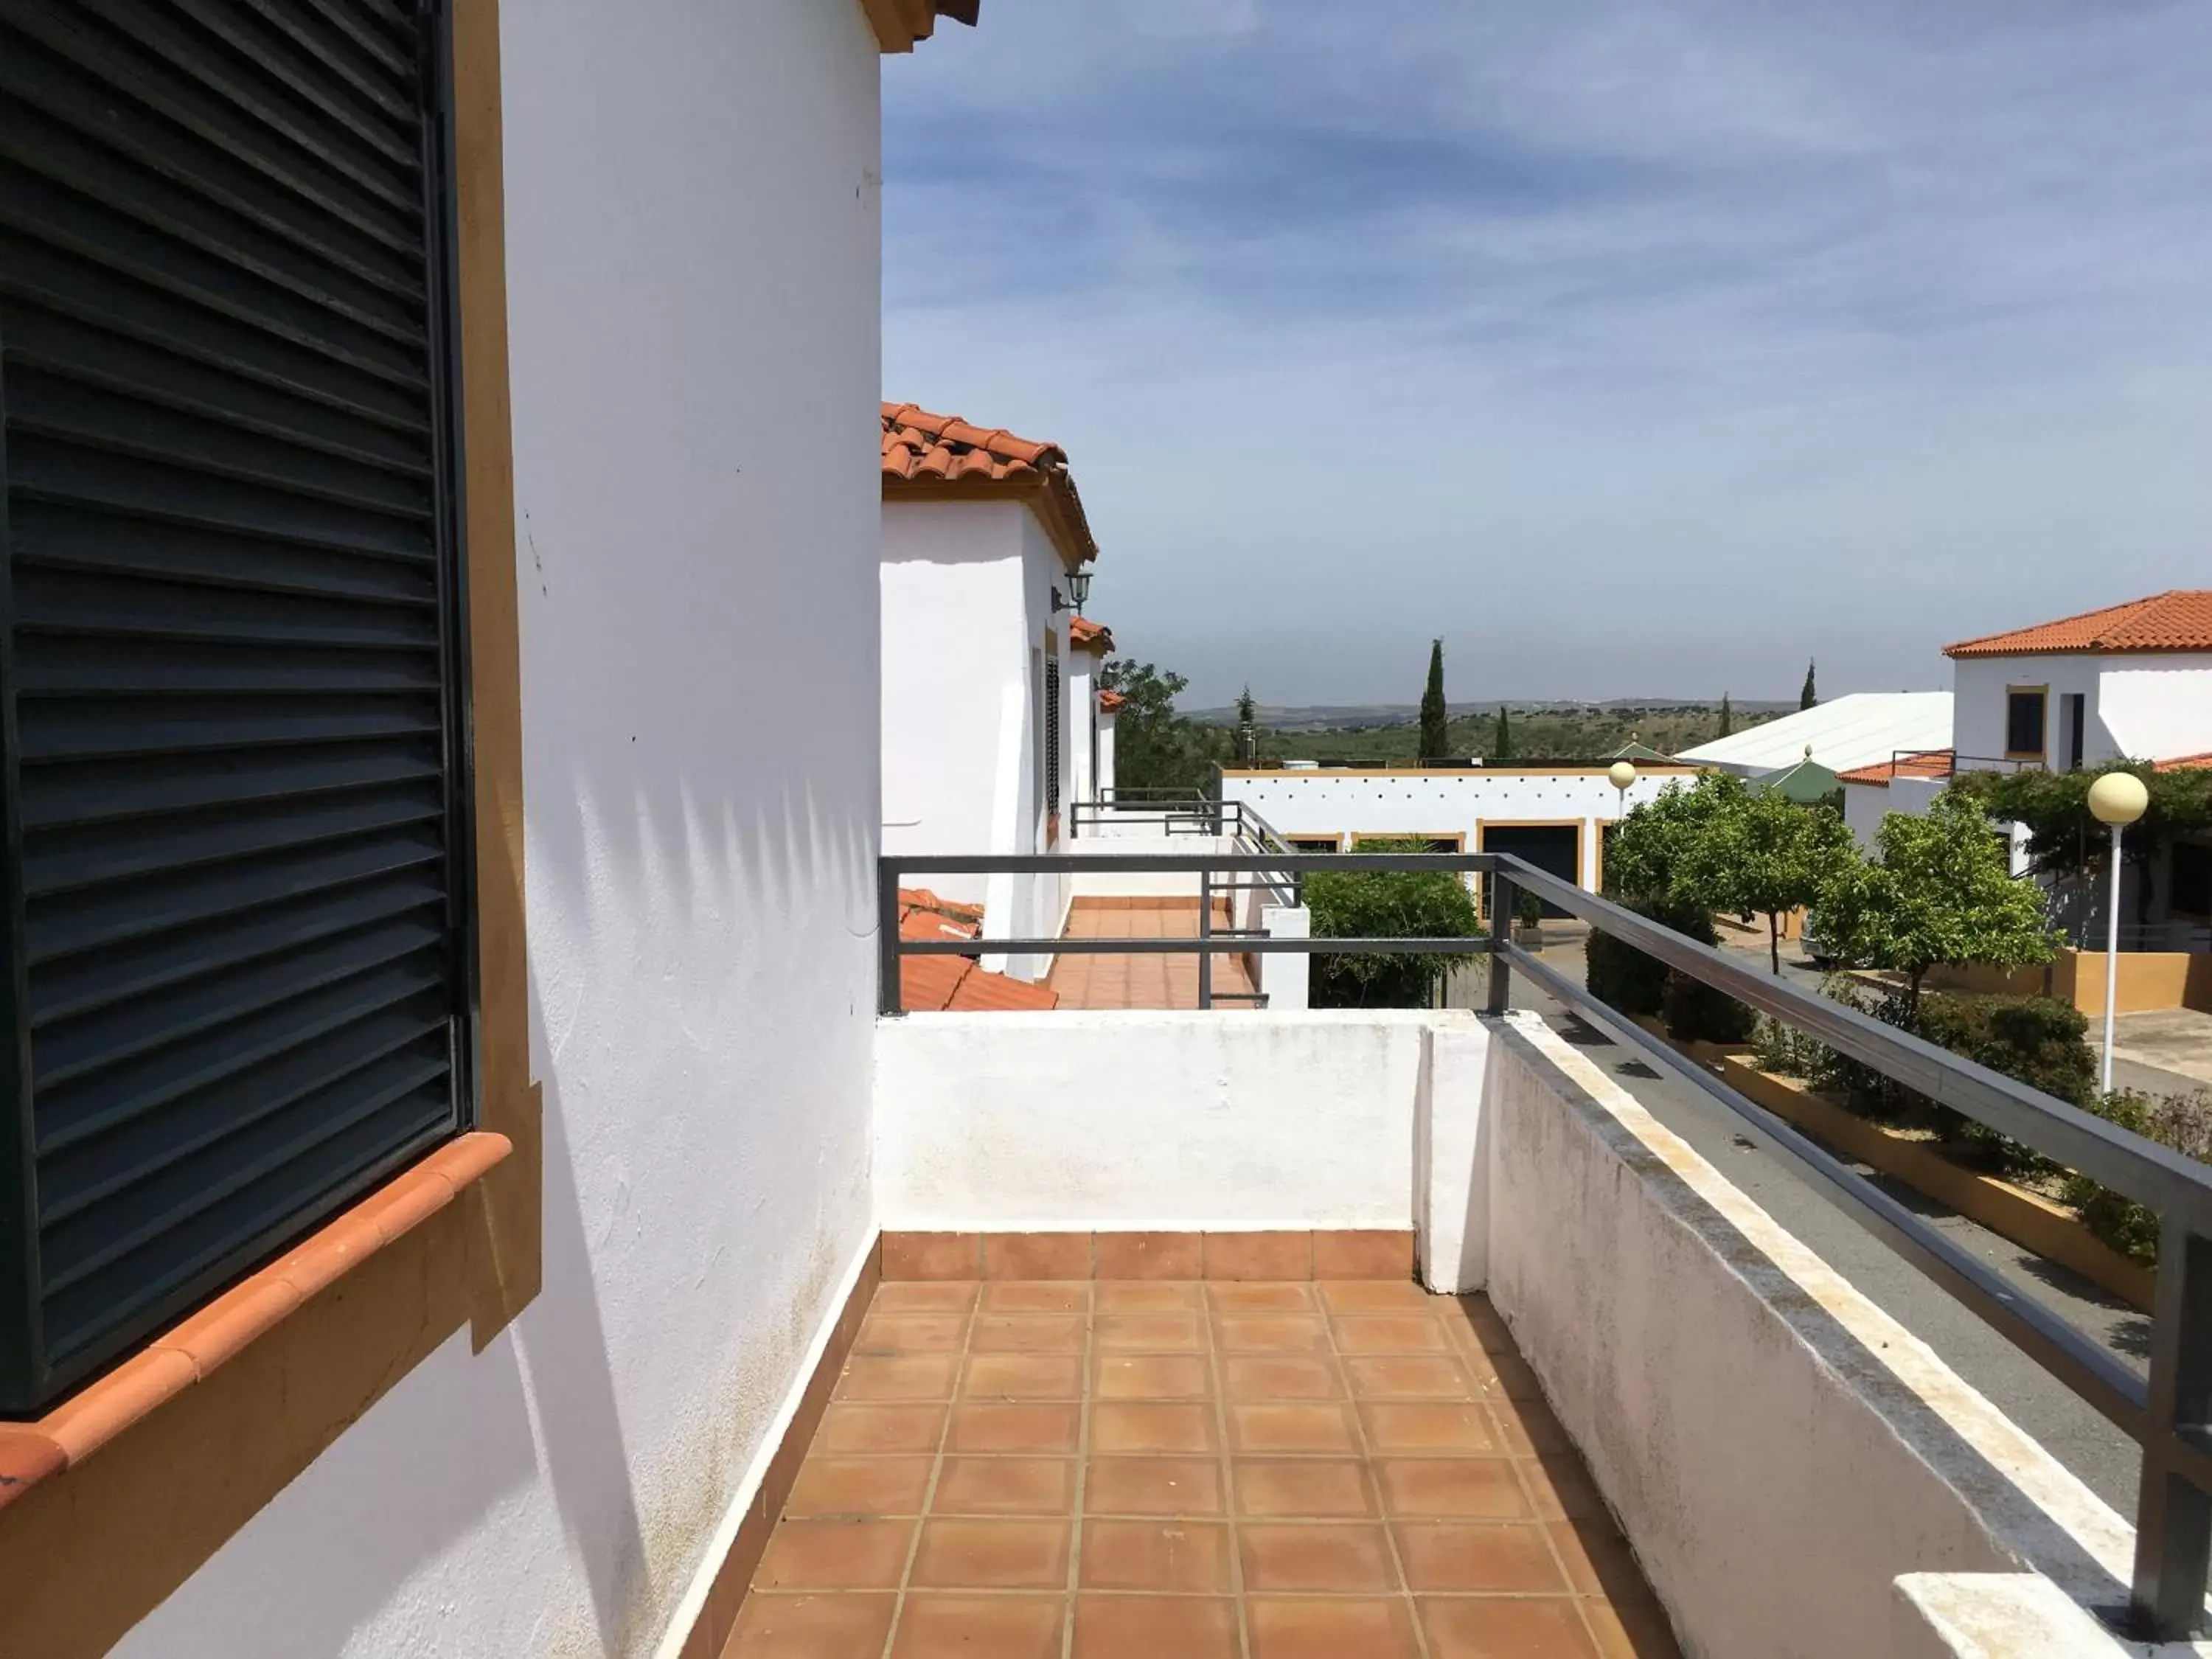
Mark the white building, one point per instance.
(493, 1386)
(2129, 682)
(1860, 729)
(1554, 816)
(990, 704)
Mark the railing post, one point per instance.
(2173, 1516)
(1502, 895)
(1205, 933)
(890, 999)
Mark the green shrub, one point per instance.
(2038, 1041)
(1621, 977)
(1696, 1011)
(2032, 1040)
(1788, 1052)
(1386, 904)
(2181, 1122)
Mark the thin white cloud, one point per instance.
(1893, 313)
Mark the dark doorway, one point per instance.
(1555, 848)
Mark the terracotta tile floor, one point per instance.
(1017, 1470)
(1145, 981)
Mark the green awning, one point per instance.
(1807, 783)
(1633, 750)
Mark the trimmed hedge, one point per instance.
(2181, 1122)
(1621, 977)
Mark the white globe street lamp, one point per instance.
(2117, 800)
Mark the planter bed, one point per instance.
(2051, 1230)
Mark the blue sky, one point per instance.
(1635, 349)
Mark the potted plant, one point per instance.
(1527, 921)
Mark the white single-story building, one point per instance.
(1553, 816)
(990, 702)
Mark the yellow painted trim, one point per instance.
(1456, 837)
(2043, 750)
(2010, 1212)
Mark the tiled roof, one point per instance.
(1085, 634)
(941, 984)
(1111, 700)
(2186, 762)
(922, 915)
(942, 454)
(899, 23)
(2179, 619)
(1928, 763)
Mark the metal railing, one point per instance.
(1175, 812)
(2091, 933)
(2168, 1414)
(1943, 764)
(1171, 812)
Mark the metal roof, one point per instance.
(1845, 732)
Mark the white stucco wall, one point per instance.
(966, 605)
(2157, 708)
(2140, 708)
(1751, 1418)
(1866, 805)
(695, 368)
(1082, 715)
(1329, 802)
(1147, 1120)
(955, 677)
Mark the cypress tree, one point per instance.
(1436, 737)
(1501, 737)
(1727, 717)
(1248, 733)
(1808, 698)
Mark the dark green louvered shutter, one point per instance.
(239, 972)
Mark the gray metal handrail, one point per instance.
(2169, 1415)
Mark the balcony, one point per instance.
(1217, 1260)
(1022, 1454)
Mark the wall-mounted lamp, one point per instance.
(1078, 590)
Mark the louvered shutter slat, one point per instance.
(235, 838)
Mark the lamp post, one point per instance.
(2116, 801)
(1621, 775)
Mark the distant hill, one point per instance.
(1333, 717)
(1540, 730)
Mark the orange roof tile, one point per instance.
(979, 991)
(1085, 634)
(1111, 700)
(2179, 619)
(926, 453)
(1928, 763)
(2185, 762)
(922, 915)
(936, 984)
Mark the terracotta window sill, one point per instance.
(178, 1357)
